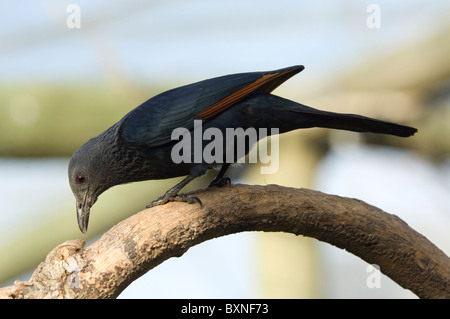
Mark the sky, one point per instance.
(178, 40)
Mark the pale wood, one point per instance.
(143, 241)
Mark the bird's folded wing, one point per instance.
(152, 122)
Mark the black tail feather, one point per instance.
(358, 123)
(289, 115)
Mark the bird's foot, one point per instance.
(224, 181)
(186, 198)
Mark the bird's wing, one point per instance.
(152, 122)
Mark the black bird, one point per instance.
(139, 146)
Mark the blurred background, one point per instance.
(71, 69)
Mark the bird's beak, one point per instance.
(83, 210)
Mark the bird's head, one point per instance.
(87, 179)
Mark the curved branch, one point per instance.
(145, 240)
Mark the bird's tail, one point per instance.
(357, 123)
(303, 116)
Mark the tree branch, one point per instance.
(145, 240)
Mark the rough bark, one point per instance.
(143, 241)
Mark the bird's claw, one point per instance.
(186, 198)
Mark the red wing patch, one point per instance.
(267, 83)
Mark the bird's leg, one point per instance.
(172, 194)
(219, 180)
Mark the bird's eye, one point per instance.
(81, 179)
